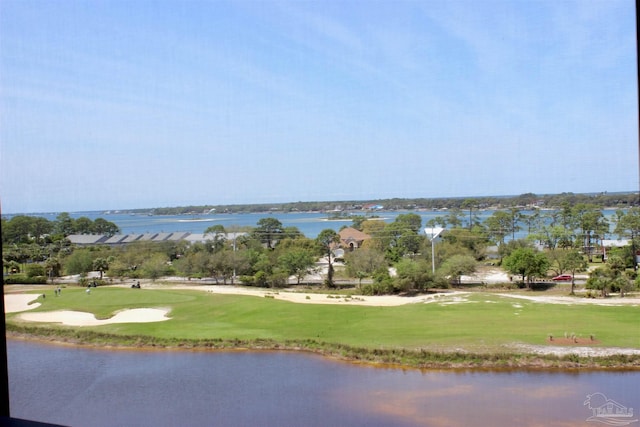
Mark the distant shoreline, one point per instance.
(604, 200)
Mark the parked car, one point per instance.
(562, 278)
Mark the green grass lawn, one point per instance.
(483, 323)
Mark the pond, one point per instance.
(96, 387)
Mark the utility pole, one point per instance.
(432, 234)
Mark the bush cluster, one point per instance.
(23, 279)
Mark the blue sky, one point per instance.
(132, 104)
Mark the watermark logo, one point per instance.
(608, 411)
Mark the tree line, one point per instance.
(397, 258)
(41, 244)
(35, 229)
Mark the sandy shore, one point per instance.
(580, 351)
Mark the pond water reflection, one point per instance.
(90, 387)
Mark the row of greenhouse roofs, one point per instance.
(123, 239)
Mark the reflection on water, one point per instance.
(87, 387)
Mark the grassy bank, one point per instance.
(473, 331)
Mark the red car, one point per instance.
(562, 278)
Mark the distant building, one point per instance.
(124, 239)
(203, 238)
(351, 239)
(372, 207)
(87, 239)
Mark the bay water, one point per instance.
(308, 223)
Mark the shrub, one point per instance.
(85, 281)
(23, 279)
(33, 270)
(278, 279)
(248, 280)
(378, 288)
(259, 279)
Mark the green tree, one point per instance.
(215, 229)
(600, 279)
(326, 240)
(470, 205)
(474, 241)
(297, 262)
(628, 225)
(357, 221)
(498, 226)
(409, 221)
(591, 222)
(616, 264)
(102, 226)
(216, 237)
(41, 228)
(79, 262)
(83, 225)
(101, 265)
(438, 221)
(612, 277)
(401, 236)
(118, 268)
(515, 218)
(378, 232)
(292, 233)
(222, 263)
(34, 270)
(527, 263)
(457, 266)
(413, 275)
(239, 263)
(505, 249)
(63, 224)
(573, 261)
(364, 260)
(16, 230)
(454, 218)
(25, 229)
(628, 283)
(532, 220)
(554, 236)
(53, 267)
(155, 266)
(268, 230)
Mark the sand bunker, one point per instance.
(319, 298)
(567, 300)
(79, 318)
(15, 303)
